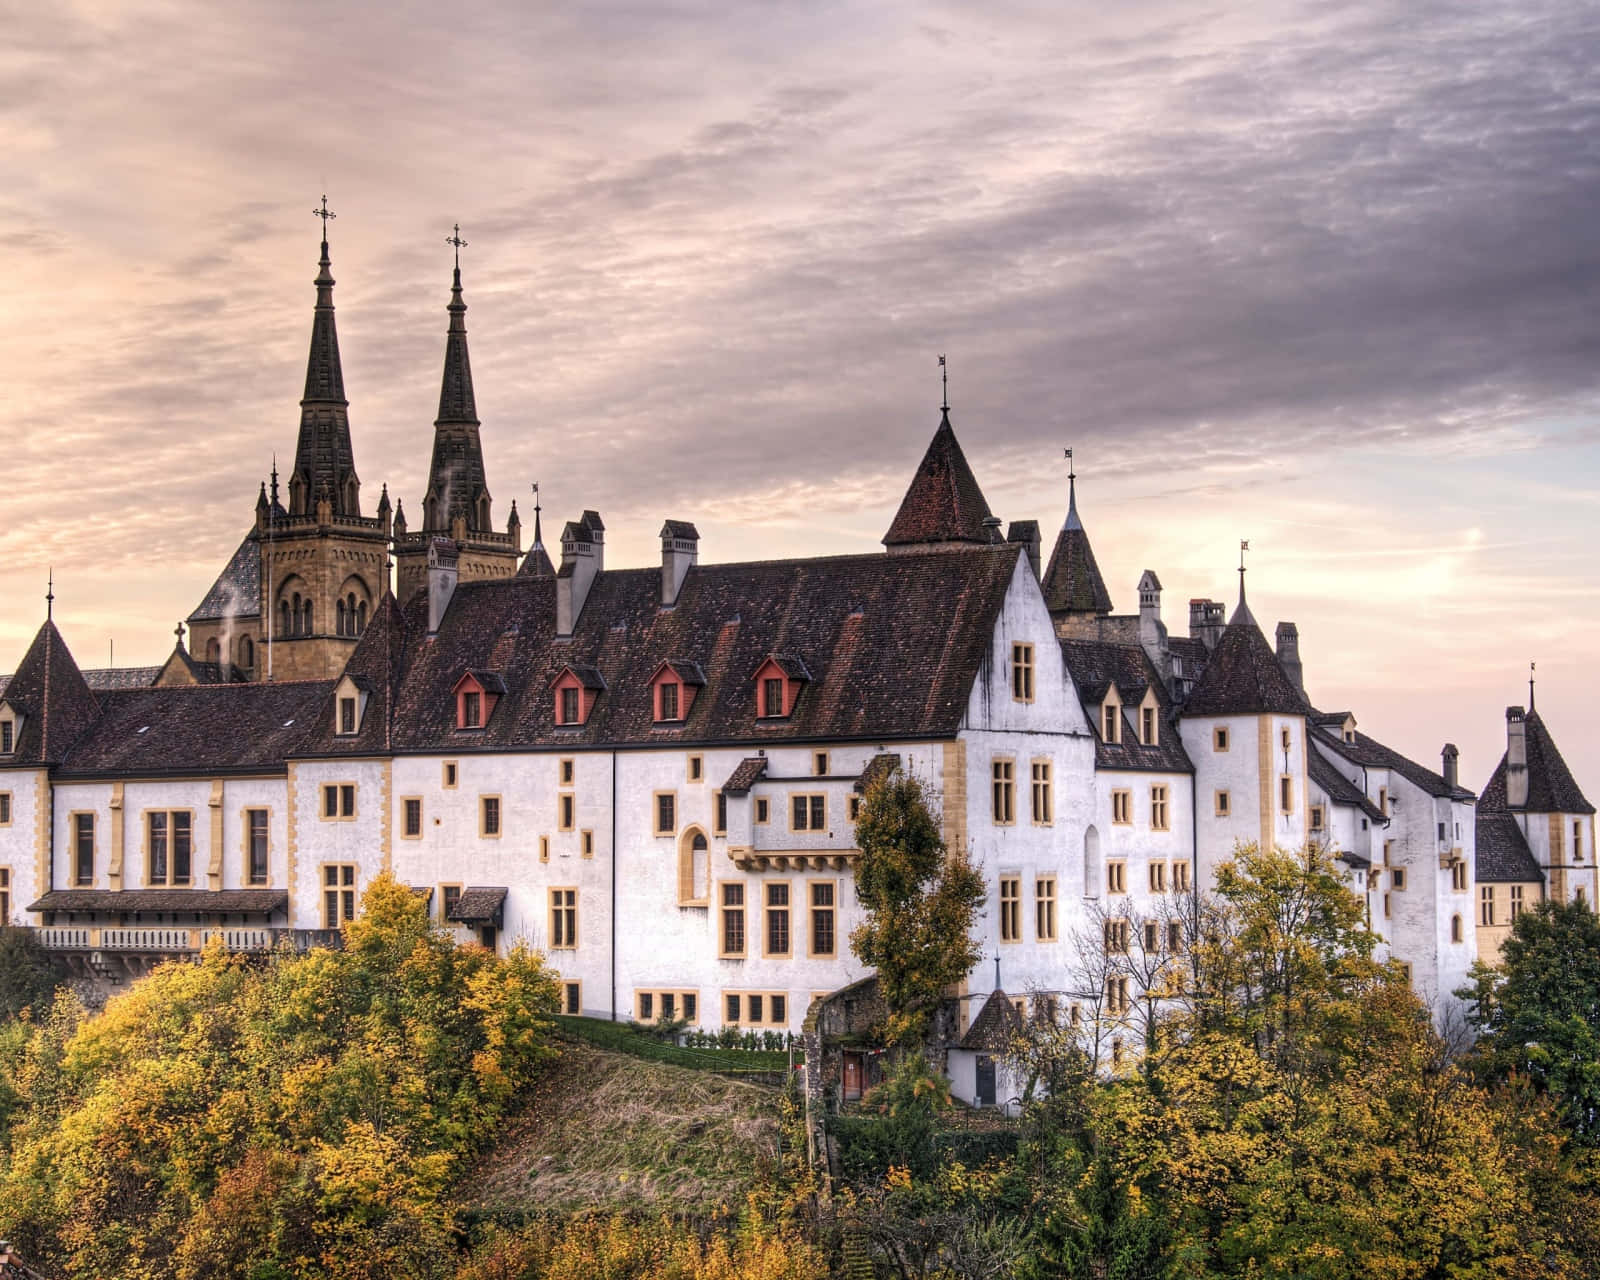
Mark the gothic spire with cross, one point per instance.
(458, 485)
(324, 461)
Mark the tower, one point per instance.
(457, 502)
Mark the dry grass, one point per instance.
(605, 1130)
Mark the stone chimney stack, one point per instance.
(1289, 655)
(1207, 620)
(1516, 757)
(1027, 533)
(1452, 761)
(680, 551)
(582, 559)
(442, 578)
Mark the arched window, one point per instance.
(305, 617)
(694, 869)
(339, 615)
(361, 617)
(213, 650)
(1092, 871)
(247, 653)
(294, 621)
(283, 618)
(350, 613)
(1455, 928)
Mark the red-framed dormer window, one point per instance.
(672, 690)
(575, 689)
(778, 681)
(476, 693)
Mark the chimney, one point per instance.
(1027, 533)
(582, 556)
(442, 576)
(680, 551)
(1516, 757)
(1451, 758)
(991, 528)
(1207, 618)
(1289, 655)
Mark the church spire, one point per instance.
(324, 460)
(1072, 583)
(458, 486)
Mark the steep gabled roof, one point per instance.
(1095, 666)
(237, 591)
(1503, 855)
(1338, 788)
(1373, 754)
(1243, 677)
(1072, 581)
(57, 703)
(1551, 786)
(379, 659)
(943, 502)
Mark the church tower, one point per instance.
(323, 563)
(456, 506)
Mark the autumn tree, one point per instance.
(920, 901)
(26, 978)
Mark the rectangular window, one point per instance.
(1158, 877)
(566, 768)
(819, 764)
(5, 895)
(777, 919)
(338, 800)
(1116, 937)
(1577, 840)
(732, 920)
(566, 806)
(1022, 672)
(1158, 808)
(1112, 721)
(669, 701)
(256, 836)
(697, 768)
(563, 919)
(83, 848)
(5, 808)
(853, 807)
(338, 894)
(808, 813)
(763, 810)
(1388, 907)
(1219, 739)
(1147, 726)
(1044, 908)
(1117, 877)
(347, 715)
(1284, 738)
(1458, 876)
(1516, 902)
(1150, 937)
(1010, 908)
(1003, 777)
(823, 893)
(719, 824)
(1122, 808)
(586, 843)
(489, 815)
(1180, 877)
(646, 1003)
(572, 992)
(1043, 801)
(1317, 817)
(666, 813)
(451, 773)
(1285, 794)
(1485, 904)
(544, 848)
(411, 822)
(1224, 804)
(756, 1008)
(171, 847)
(732, 1008)
(1397, 878)
(471, 710)
(1175, 936)
(772, 696)
(569, 705)
(449, 895)
(1383, 801)
(8, 740)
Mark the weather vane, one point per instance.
(1071, 471)
(50, 595)
(459, 244)
(324, 213)
(944, 382)
(1244, 546)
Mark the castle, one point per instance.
(651, 774)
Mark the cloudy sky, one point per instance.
(1320, 276)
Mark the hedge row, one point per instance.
(622, 1038)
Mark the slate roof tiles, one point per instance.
(1242, 676)
(1551, 786)
(1095, 665)
(943, 503)
(57, 704)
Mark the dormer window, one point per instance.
(673, 688)
(778, 681)
(472, 710)
(476, 694)
(571, 707)
(1149, 722)
(575, 688)
(350, 697)
(8, 737)
(1111, 720)
(347, 715)
(667, 700)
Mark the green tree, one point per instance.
(26, 979)
(1538, 1014)
(920, 901)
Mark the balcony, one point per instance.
(116, 952)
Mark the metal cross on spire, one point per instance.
(459, 244)
(944, 383)
(325, 214)
(50, 595)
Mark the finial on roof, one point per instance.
(1244, 546)
(944, 385)
(1530, 686)
(459, 244)
(274, 478)
(50, 595)
(178, 631)
(1072, 494)
(538, 536)
(325, 214)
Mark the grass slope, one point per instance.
(606, 1130)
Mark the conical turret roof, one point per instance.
(1072, 581)
(943, 502)
(1242, 676)
(56, 702)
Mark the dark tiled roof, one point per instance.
(1072, 581)
(324, 461)
(204, 901)
(101, 679)
(479, 904)
(1374, 755)
(893, 643)
(995, 1027)
(379, 659)
(237, 590)
(1551, 786)
(1095, 665)
(1191, 650)
(1243, 677)
(687, 671)
(490, 681)
(791, 666)
(1340, 789)
(199, 672)
(536, 564)
(54, 698)
(588, 677)
(1503, 855)
(943, 502)
(878, 769)
(745, 775)
(199, 728)
(680, 529)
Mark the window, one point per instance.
(471, 710)
(1516, 902)
(777, 942)
(5, 895)
(255, 821)
(667, 1006)
(1044, 908)
(1158, 808)
(697, 768)
(1455, 928)
(1486, 904)
(338, 894)
(1003, 774)
(823, 893)
(772, 696)
(1111, 720)
(1116, 937)
(411, 817)
(1117, 877)
(544, 848)
(808, 813)
(5, 808)
(1010, 908)
(8, 738)
(566, 769)
(451, 773)
(1158, 877)
(570, 712)
(1387, 845)
(1116, 995)
(1285, 794)
(1122, 808)
(1405, 971)
(1317, 818)
(1147, 726)
(1223, 804)
(586, 843)
(1383, 801)
(563, 919)
(347, 715)
(732, 920)
(666, 812)
(169, 847)
(1458, 876)
(1180, 877)
(819, 764)
(1283, 737)
(763, 810)
(667, 700)
(572, 998)
(694, 869)
(1388, 907)
(449, 895)
(1397, 878)
(1175, 936)
(1043, 802)
(1219, 739)
(489, 816)
(338, 801)
(1577, 840)
(756, 1008)
(719, 806)
(853, 807)
(83, 848)
(565, 806)
(1022, 672)
(1150, 937)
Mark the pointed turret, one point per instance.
(47, 703)
(1072, 582)
(1243, 675)
(457, 483)
(537, 564)
(324, 461)
(943, 505)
